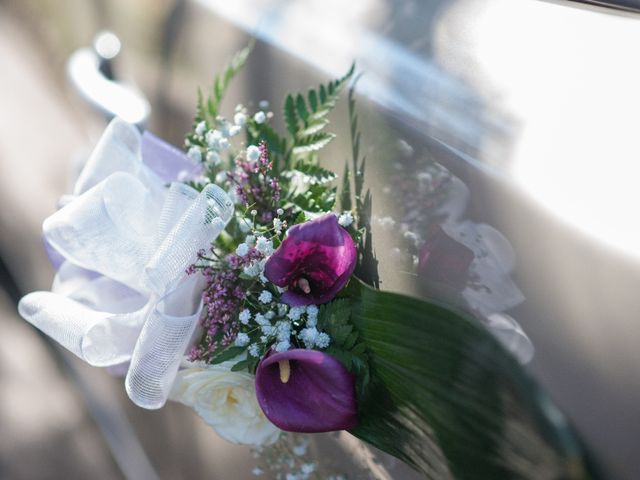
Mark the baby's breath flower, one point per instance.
(252, 270)
(295, 313)
(312, 310)
(282, 346)
(224, 143)
(213, 158)
(242, 340)
(323, 340)
(268, 330)
(254, 350)
(283, 330)
(212, 138)
(259, 117)
(250, 240)
(221, 177)
(264, 104)
(265, 296)
(264, 246)
(345, 219)
(253, 153)
(309, 336)
(200, 128)
(261, 320)
(195, 154)
(280, 211)
(245, 316)
(242, 249)
(270, 314)
(277, 225)
(234, 130)
(254, 212)
(244, 225)
(282, 309)
(240, 119)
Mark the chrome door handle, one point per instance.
(92, 73)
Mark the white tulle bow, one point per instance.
(122, 294)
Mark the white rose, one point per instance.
(226, 400)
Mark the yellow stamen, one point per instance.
(285, 370)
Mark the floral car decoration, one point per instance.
(223, 278)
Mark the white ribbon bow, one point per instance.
(122, 294)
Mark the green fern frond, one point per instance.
(314, 173)
(208, 110)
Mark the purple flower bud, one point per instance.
(315, 261)
(306, 391)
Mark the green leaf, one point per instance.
(228, 353)
(300, 218)
(305, 122)
(312, 143)
(323, 94)
(449, 400)
(312, 96)
(313, 127)
(317, 199)
(314, 173)
(290, 116)
(345, 194)
(301, 108)
(247, 364)
(221, 82)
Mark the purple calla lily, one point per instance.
(315, 261)
(306, 391)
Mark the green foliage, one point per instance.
(345, 191)
(277, 144)
(367, 266)
(311, 143)
(314, 173)
(449, 400)
(208, 110)
(249, 364)
(300, 218)
(316, 199)
(228, 353)
(334, 318)
(306, 118)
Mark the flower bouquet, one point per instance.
(237, 279)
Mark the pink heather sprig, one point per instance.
(223, 297)
(254, 184)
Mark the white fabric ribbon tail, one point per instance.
(122, 293)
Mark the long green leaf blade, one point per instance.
(449, 400)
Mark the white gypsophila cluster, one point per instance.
(242, 340)
(260, 117)
(245, 316)
(345, 219)
(280, 326)
(277, 225)
(217, 139)
(265, 246)
(195, 154)
(253, 153)
(242, 249)
(213, 158)
(265, 297)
